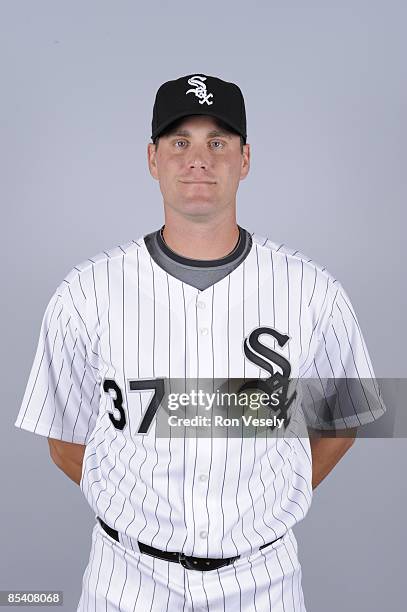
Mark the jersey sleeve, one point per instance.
(340, 389)
(61, 398)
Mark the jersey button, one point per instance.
(204, 331)
(201, 304)
(203, 477)
(203, 534)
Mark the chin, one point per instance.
(197, 207)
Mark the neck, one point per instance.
(198, 239)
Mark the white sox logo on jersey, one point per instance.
(200, 89)
(255, 352)
(264, 357)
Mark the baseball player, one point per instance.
(182, 521)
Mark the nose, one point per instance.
(198, 161)
(198, 157)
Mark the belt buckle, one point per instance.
(187, 562)
(194, 563)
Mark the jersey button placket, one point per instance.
(203, 460)
(204, 339)
(197, 461)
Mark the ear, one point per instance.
(245, 161)
(152, 160)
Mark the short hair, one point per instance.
(219, 123)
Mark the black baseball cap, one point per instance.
(199, 94)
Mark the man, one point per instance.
(196, 522)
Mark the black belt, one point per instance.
(195, 563)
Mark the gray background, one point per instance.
(325, 91)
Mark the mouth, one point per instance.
(196, 182)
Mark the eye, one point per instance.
(217, 142)
(178, 141)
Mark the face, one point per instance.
(199, 167)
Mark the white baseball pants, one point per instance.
(120, 579)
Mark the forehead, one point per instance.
(194, 123)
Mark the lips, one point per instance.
(199, 182)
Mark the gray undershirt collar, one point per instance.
(200, 273)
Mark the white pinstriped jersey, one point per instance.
(119, 316)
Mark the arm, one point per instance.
(327, 451)
(68, 457)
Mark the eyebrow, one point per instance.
(211, 134)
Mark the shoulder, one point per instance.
(312, 275)
(80, 282)
(295, 256)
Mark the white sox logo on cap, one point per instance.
(200, 90)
